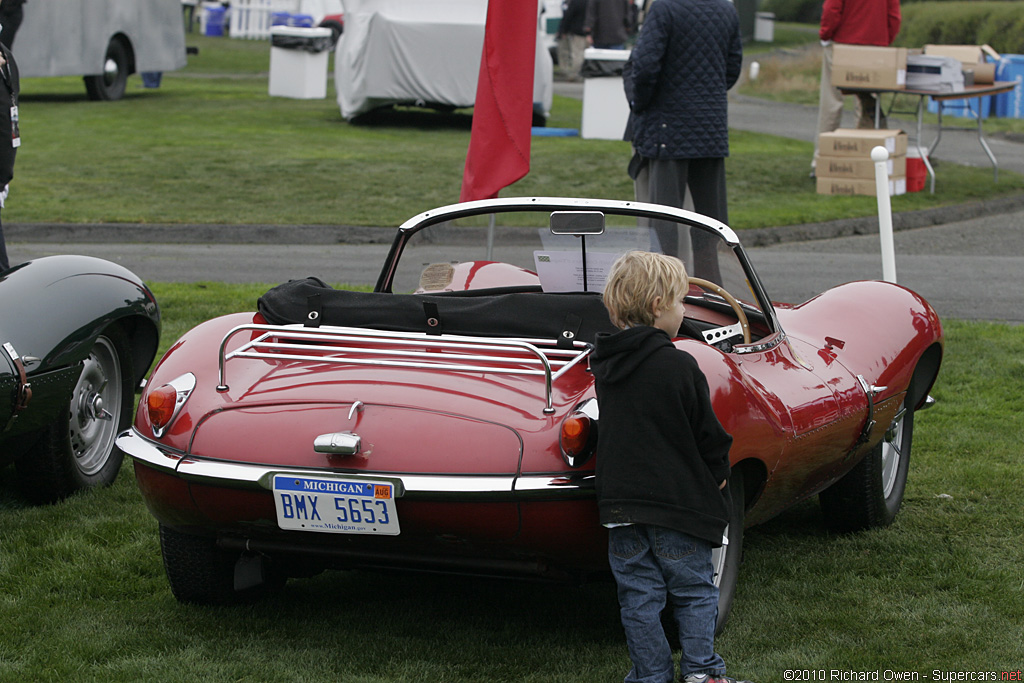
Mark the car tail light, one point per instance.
(578, 436)
(163, 403)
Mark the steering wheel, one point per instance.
(741, 316)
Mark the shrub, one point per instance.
(952, 22)
(999, 24)
(799, 11)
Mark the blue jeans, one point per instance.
(653, 565)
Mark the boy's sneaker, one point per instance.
(709, 678)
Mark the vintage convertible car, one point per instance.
(447, 420)
(78, 334)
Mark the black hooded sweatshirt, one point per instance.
(661, 451)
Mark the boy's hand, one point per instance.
(722, 485)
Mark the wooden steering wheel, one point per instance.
(741, 316)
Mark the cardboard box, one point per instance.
(858, 167)
(867, 66)
(972, 58)
(858, 142)
(858, 186)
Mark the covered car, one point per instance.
(420, 52)
(78, 335)
(447, 420)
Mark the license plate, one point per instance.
(337, 506)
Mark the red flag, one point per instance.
(499, 144)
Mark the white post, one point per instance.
(880, 156)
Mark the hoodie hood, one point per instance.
(618, 355)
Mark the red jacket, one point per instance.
(860, 22)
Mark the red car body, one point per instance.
(468, 443)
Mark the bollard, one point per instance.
(880, 155)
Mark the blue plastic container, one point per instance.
(968, 108)
(301, 21)
(215, 21)
(1011, 105)
(280, 18)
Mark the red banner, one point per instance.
(499, 144)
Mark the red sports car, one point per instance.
(447, 421)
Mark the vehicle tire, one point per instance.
(727, 559)
(870, 495)
(77, 450)
(111, 84)
(537, 119)
(726, 562)
(199, 572)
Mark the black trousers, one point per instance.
(667, 183)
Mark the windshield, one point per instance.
(518, 251)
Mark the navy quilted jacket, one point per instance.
(689, 53)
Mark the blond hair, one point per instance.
(636, 279)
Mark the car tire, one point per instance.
(76, 451)
(725, 560)
(870, 495)
(728, 558)
(202, 573)
(111, 84)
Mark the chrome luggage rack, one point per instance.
(537, 357)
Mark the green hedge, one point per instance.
(954, 22)
(999, 24)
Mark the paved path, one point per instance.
(969, 266)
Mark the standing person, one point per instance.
(10, 136)
(663, 465)
(854, 22)
(607, 23)
(11, 14)
(572, 40)
(687, 56)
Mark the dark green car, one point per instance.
(77, 335)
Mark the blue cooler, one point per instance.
(279, 18)
(301, 21)
(1011, 104)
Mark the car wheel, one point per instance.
(870, 495)
(200, 572)
(77, 450)
(111, 84)
(726, 559)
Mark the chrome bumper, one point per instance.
(434, 487)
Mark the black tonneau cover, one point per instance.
(566, 317)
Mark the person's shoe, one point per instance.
(709, 678)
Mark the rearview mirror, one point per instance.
(577, 223)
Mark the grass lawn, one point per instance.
(83, 596)
(82, 592)
(210, 146)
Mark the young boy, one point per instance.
(663, 462)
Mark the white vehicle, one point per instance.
(421, 52)
(102, 40)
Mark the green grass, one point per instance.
(83, 596)
(210, 146)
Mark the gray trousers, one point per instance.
(665, 181)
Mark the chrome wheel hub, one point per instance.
(91, 427)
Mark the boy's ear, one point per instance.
(656, 307)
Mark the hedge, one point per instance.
(953, 22)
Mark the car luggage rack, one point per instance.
(534, 357)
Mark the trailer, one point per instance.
(104, 41)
